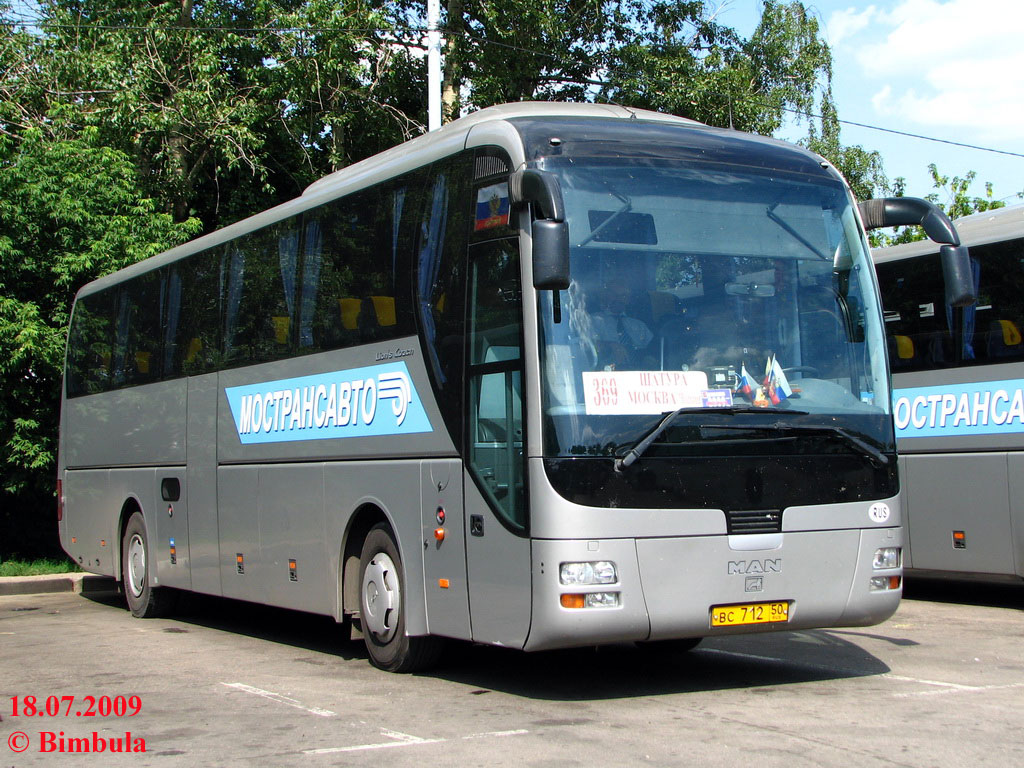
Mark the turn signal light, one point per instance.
(591, 600)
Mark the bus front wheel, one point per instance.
(382, 607)
(144, 601)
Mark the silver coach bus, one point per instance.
(554, 375)
(958, 379)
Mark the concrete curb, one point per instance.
(57, 582)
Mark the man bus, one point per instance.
(387, 401)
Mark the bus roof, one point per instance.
(416, 153)
(977, 229)
(461, 127)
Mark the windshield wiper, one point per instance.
(793, 233)
(877, 457)
(641, 445)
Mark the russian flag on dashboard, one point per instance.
(746, 386)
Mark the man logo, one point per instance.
(748, 567)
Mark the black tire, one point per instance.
(144, 601)
(382, 608)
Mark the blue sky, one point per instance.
(949, 69)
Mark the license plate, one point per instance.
(749, 613)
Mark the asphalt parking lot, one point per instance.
(228, 683)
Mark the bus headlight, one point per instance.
(601, 572)
(885, 583)
(887, 557)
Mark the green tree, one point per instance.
(862, 168)
(70, 211)
(668, 55)
(686, 63)
(951, 195)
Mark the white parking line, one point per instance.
(407, 740)
(279, 698)
(940, 688)
(954, 686)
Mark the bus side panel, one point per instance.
(904, 502)
(1016, 469)
(201, 484)
(90, 514)
(167, 526)
(293, 532)
(444, 559)
(238, 519)
(941, 502)
(124, 425)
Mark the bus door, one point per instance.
(497, 545)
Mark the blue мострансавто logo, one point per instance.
(360, 402)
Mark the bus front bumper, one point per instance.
(704, 586)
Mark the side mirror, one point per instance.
(904, 211)
(550, 231)
(550, 255)
(956, 271)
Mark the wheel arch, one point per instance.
(368, 514)
(130, 506)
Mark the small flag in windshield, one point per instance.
(776, 385)
(746, 384)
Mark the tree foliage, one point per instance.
(69, 212)
(951, 195)
(862, 168)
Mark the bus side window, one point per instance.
(193, 317)
(442, 228)
(260, 300)
(140, 358)
(89, 344)
(355, 269)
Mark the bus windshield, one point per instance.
(727, 292)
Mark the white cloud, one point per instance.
(957, 64)
(844, 24)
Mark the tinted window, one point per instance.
(90, 344)
(355, 282)
(193, 315)
(923, 333)
(260, 272)
(441, 279)
(138, 347)
(339, 275)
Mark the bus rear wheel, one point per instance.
(382, 608)
(144, 601)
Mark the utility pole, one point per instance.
(433, 65)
